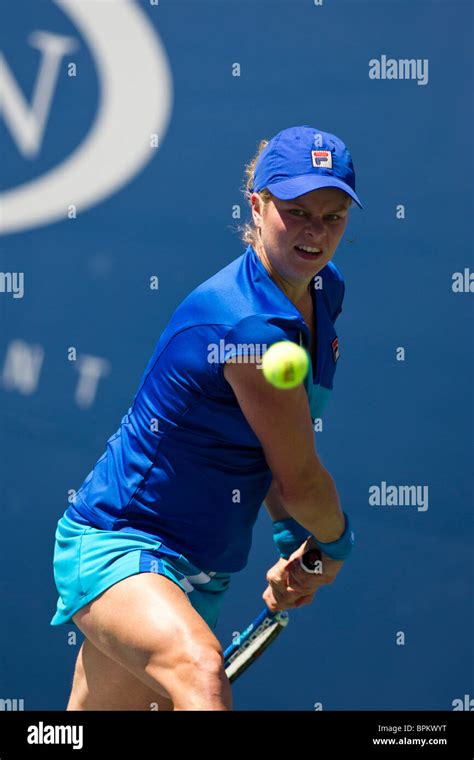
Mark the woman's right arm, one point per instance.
(281, 420)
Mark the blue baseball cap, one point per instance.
(300, 159)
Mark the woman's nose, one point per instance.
(315, 228)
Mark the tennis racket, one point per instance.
(263, 630)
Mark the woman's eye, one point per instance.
(329, 217)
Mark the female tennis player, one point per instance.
(145, 551)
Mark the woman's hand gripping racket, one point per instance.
(264, 629)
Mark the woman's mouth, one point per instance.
(308, 252)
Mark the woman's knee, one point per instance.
(194, 676)
(202, 658)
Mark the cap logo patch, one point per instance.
(322, 159)
(335, 348)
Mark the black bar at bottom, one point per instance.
(417, 734)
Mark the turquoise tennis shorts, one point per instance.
(89, 560)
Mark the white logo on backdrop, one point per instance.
(135, 100)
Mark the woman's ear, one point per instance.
(257, 208)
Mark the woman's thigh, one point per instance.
(146, 624)
(102, 684)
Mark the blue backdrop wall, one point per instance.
(124, 129)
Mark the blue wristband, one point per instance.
(288, 536)
(341, 548)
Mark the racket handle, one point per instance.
(309, 561)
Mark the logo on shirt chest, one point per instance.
(335, 349)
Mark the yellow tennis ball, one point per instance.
(285, 364)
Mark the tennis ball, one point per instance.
(285, 364)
